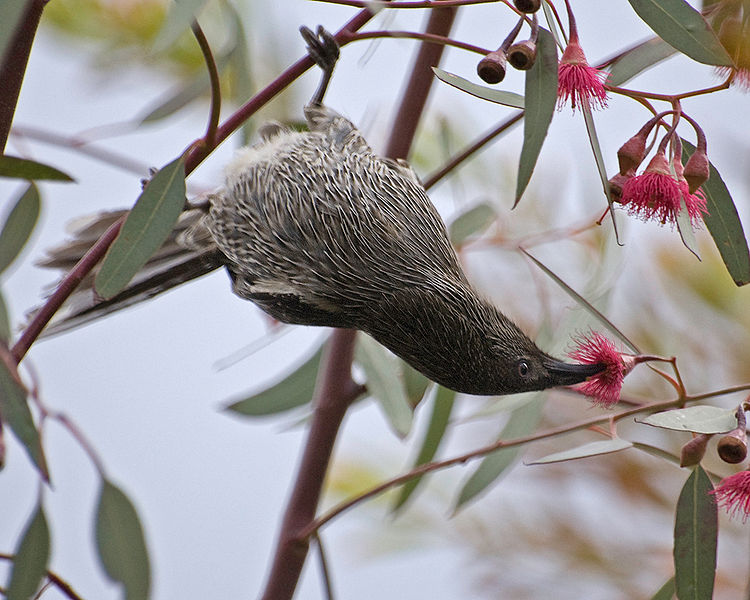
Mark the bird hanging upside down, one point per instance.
(316, 229)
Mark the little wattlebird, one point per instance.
(317, 229)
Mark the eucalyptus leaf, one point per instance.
(541, 96)
(697, 419)
(665, 592)
(685, 227)
(385, 383)
(295, 389)
(441, 411)
(522, 422)
(497, 96)
(120, 542)
(4, 320)
(592, 449)
(23, 168)
(14, 411)
(145, 229)
(19, 225)
(471, 222)
(723, 223)
(11, 14)
(179, 18)
(638, 59)
(683, 27)
(31, 559)
(695, 535)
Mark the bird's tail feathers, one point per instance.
(188, 253)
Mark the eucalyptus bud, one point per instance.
(527, 6)
(692, 452)
(491, 69)
(732, 447)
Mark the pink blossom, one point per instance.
(657, 194)
(733, 493)
(604, 387)
(583, 84)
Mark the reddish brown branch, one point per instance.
(336, 389)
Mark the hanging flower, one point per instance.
(657, 194)
(733, 493)
(604, 387)
(576, 79)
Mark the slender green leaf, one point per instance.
(4, 320)
(695, 531)
(541, 96)
(441, 412)
(685, 228)
(19, 225)
(665, 592)
(549, 17)
(243, 86)
(638, 59)
(120, 542)
(31, 559)
(497, 96)
(471, 222)
(724, 223)
(144, 230)
(601, 168)
(592, 449)
(14, 410)
(522, 422)
(590, 308)
(698, 419)
(295, 389)
(680, 25)
(415, 383)
(181, 15)
(23, 168)
(385, 383)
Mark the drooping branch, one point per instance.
(336, 389)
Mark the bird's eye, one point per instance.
(523, 368)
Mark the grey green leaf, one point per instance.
(31, 559)
(120, 542)
(695, 535)
(665, 592)
(14, 411)
(23, 168)
(723, 223)
(441, 411)
(19, 225)
(181, 15)
(541, 96)
(698, 419)
(638, 59)
(584, 451)
(145, 229)
(683, 27)
(295, 389)
(471, 222)
(523, 421)
(497, 96)
(385, 383)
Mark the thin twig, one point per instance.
(425, 37)
(213, 77)
(58, 581)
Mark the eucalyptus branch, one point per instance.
(213, 77)
(425, 37)
(56, 580)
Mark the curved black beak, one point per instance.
(568, 373)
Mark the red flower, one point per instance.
(733, 493)
(603, 387)
(657, 195)
(583, 84)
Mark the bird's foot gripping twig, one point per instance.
(324, 50)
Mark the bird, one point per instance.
(317, 229)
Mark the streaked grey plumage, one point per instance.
(317, 229)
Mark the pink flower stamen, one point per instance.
(657, 195)
(579, 82)
(603, 387)
(733, 493)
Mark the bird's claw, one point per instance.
(322, 47)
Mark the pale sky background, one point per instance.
(143, 385)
